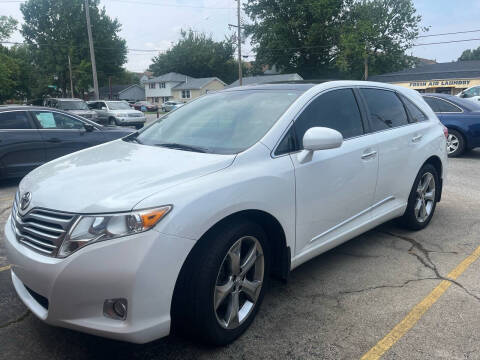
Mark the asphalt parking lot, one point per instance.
(337, 306)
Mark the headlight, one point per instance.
(89, 229)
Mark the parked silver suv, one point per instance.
(72, 105)
(117, 113)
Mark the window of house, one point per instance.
(162, 85)
(336, 109)
(441, 106)
(152, 85)
(185, 94)
(386, 111)
(14, 120)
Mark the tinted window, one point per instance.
(386, 111)
(416, 115)
(337, 109)
(14, 120)
(52, 120)
(439, 105)
(287, 144)
(475, 91)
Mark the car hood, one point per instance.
(80, 112)
(126, 112)
(115, 176)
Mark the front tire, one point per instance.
(222, 285)
(112, 121)
(455, 143)
(422, 200)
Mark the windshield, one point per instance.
(72, 105)
(118, 105)
(221, 123)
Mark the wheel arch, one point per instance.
(279, 251)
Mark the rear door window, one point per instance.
(14, 120)
(441, 106)
(336, 109)
(416, 115)
(385, 109)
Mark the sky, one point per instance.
(156, 24)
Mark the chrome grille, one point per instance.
(40, 229)
(135, 115)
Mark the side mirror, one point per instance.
(322, 138)
(88, 127)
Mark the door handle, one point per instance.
(54, 140)
(369, 155)
(417, 138)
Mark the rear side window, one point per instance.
(386, 111)
(14, 120)
(416, 115)
(441, 106)
(336, 109)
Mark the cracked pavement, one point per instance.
(336, 306)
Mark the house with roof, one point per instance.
(449, 78)
(265, 79)
(179, 87)
(132, 92)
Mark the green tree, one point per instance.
(470, 54)
(297, 36)
(375, 35)
(9, 67)
(7, 26)
(55, 29)
(198, 55)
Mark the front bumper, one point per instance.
(142, 268)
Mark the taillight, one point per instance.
(445, 132)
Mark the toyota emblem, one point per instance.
(25, 201)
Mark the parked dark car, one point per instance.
(31, 136)
(461, 117)
(73, 106)
(145, 104)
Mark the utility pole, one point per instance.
(92, 52)
(239, 36)
(71, 81)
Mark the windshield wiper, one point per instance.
(183, 147)
(132, 138)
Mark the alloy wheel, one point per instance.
(452, 143)
(239, 282)
(425, 200)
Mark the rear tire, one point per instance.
(210, 285)
(455, 143)
(422, 200)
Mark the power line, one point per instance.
(451, 33)
(147, 3)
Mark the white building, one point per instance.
(179, 87)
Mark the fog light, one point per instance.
(115, 309)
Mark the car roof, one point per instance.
(65, 99)
(275, 86)
(23, 107)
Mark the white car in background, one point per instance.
(117, 113)
(171, 105)
(472, 93)
(179, 226)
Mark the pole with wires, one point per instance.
(239, 38)
(71, 81)
(92, 51)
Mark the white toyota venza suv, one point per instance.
(178, 227)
